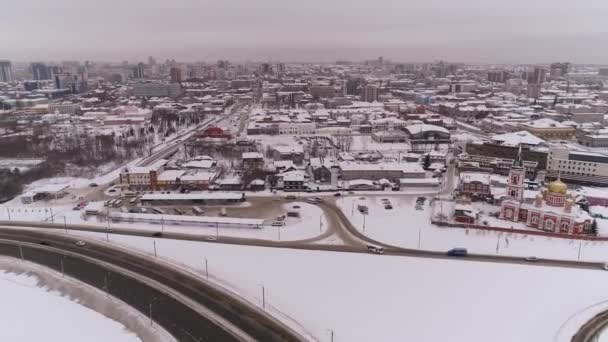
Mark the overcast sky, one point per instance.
(486, 31)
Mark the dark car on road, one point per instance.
(458, 252)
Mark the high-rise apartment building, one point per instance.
(40, 71)
(6, 71)
(176, 74)
(498, 76)
(559, 69)
(369, 93)
(139, 71)
(535, 78)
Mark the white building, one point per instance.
(297, 128)
(578, 166)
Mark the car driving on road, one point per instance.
(375, 249)
(458, 252)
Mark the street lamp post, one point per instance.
(263, 297)
(364, 223)
(62, 267)
(150, 309)
(320, 224)
(154, 243)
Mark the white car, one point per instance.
(81, 243)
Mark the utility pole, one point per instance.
(206, 269)
(9, 213)
(580, 246)
(263, 297)
(154, 242)
(21, 252)
(419, 235)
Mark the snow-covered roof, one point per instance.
(198, 176)
(468, 177)
(199, 164)
(284, 149)
(404, 167)
(418, 128)
(171, 175)
(194, 196)
(293, 176)
(515, 138)
(252, 155)
(544, 123)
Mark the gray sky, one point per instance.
(487, 31)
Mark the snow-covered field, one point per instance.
(363, 297)
(365, 143)
(405, 226)
(31, 313)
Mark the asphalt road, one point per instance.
(184, 322)
(591, 330)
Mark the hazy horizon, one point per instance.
(472, 31)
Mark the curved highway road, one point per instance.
(186, 306)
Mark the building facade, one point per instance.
(552, 210)
(577, 166)
(6, 71)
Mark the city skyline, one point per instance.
(311, 32)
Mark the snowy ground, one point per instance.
(363, 297)
(365, 143)
(31, 313)
(311, 223)
(405, 226)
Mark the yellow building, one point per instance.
(549, 129)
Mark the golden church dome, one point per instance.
(558, 186)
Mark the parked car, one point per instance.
(81, 243)
(531, 259)
(290, 197)
(157, 234)
(93, 185)
(337, 194)
(388, 207)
